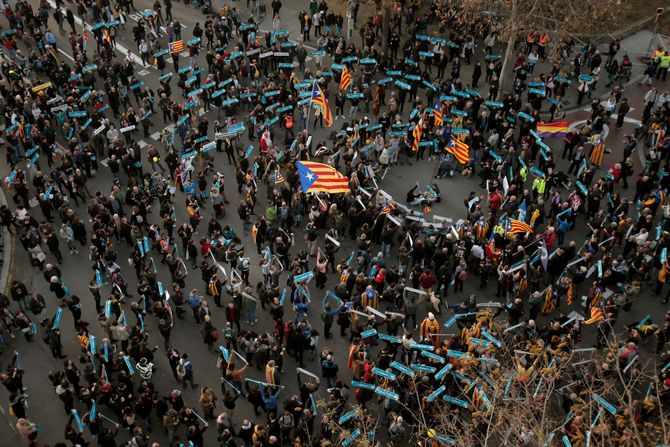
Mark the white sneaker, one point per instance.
(336, 117)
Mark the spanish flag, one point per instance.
(553, 130)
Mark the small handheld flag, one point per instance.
(176, 47)
(319, 99)
(345, 79)
(459, 150)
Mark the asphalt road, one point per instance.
(46, 409)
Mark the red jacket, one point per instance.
(427, 280)
(495, 200)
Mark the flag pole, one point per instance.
(309, 107)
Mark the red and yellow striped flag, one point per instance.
(438, 118)
(416, 133)
(550, 303)
(516, 226)
(319, 177)
(345, 79)
(176, 47)
(319, 99)
(597, 154)
(596, 315)
(459, 150)
(571, 292)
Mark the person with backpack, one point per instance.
(285, 426)
(185, 371)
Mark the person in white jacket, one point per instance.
(145, 369)
(67, 234)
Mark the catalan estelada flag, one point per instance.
(438, 118)
(319, 99)
(176, 47)
(553, 130)
(416, 133)
(597, 154)
(319, 177)
(278, 177)
(516, 226)
(345, 79)
(459, 150)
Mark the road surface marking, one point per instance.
(122, 49)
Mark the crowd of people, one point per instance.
(429, 362)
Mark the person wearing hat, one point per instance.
(430, 329)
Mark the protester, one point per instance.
(407, 263)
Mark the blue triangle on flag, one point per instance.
(307, 176)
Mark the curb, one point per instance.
(7, 252)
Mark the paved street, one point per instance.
(36, 359)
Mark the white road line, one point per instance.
(122, 49)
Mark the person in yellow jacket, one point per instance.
(656, 60)
(663, 66)
(538, 187)
(662, 276)
(523, 172)
(430, 329)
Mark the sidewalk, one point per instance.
(6, 250)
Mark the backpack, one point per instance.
(181, 370)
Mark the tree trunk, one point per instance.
(503, 79)
(508, 61)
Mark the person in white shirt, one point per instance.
(532, 60)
